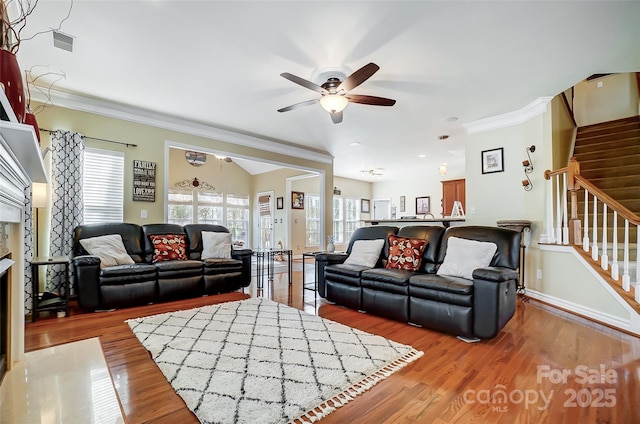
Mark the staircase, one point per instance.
(609, 157)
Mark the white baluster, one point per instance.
(594, 245)
(626, 283)
(548, 236)
(604, 259)
(585, 238)
(565, 217)
(558, 213)
(614, 253)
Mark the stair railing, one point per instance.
(564, 227)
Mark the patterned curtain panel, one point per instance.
(28, 249)
(67, 151)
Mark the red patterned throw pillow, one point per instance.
(405, 253)
(168, 247)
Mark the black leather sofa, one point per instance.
(477, 308)
(146, 282)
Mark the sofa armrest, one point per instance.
(494, 300)
(86, 271)
(245, 256)
(497, 274)
(322, 261)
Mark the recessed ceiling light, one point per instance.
(450, 119)
(422, 156)
(443, 137)
(354, 143)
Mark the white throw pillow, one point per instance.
(365, 252)
(463, 256)
(216, 245)
(110, 249)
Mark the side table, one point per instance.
(310, 285)
(53, 304)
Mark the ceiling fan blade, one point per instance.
(336, 117)
(370, 100)
(303, 82)
(358, 77)
(298, 105)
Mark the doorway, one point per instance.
(381, 208)
(265, 221)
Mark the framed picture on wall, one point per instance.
(493, 160)
(364, 206)
(297, 200)
(423, 205)
(402, 203)
(279, 202)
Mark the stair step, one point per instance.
(619, 181)
(605, 145)
(610, 153)
(607, 171)
(610, 162)
(582, 140)
(587, 129)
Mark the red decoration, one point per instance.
(405, 253)
(11, 81)
(30, 119)
(168, 247)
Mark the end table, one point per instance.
(53, 304)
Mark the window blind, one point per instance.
(103, 186)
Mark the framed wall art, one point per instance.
(402, 203)
(279, 202)
(297, 200)
(493, 160)
(365, 206)
(423, 205)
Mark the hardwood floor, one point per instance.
(514, 378)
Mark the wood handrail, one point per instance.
(611, 203)
(548, 173)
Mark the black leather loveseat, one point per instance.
(145, 281)
(473, 308)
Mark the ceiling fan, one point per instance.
(335, 96)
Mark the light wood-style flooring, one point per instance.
(546, 366)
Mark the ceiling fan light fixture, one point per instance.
(334, 103)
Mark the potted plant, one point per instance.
(10, 74)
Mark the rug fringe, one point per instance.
(349, 394)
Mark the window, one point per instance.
(338, 218)
(103, 186)
(238, 216)
(312, 211)
(210, 207)
(351, 217)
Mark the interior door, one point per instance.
(265, 222)
(381, 208)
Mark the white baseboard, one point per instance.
(586, 312)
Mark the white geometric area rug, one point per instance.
(258, 361)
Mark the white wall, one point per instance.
(616, 98)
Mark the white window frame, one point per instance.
(103, 186)
(337, 209)
(355, 221)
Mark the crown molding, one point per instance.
(172, 123)
(533, 109)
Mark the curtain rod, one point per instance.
(95, 138)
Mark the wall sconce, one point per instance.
(528, 168)
(443, 169)
(528, 164)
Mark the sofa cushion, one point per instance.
(365, 253)
(463, 256)
(442, 288)
(168, 247)
(215, 266)
(398, 277)
(216, 245)
(110, 249)
(405, 253)
(126, 274)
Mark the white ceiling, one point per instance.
(219, 63)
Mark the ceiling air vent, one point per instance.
(62, 41)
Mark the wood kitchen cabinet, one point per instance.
(452, 190)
